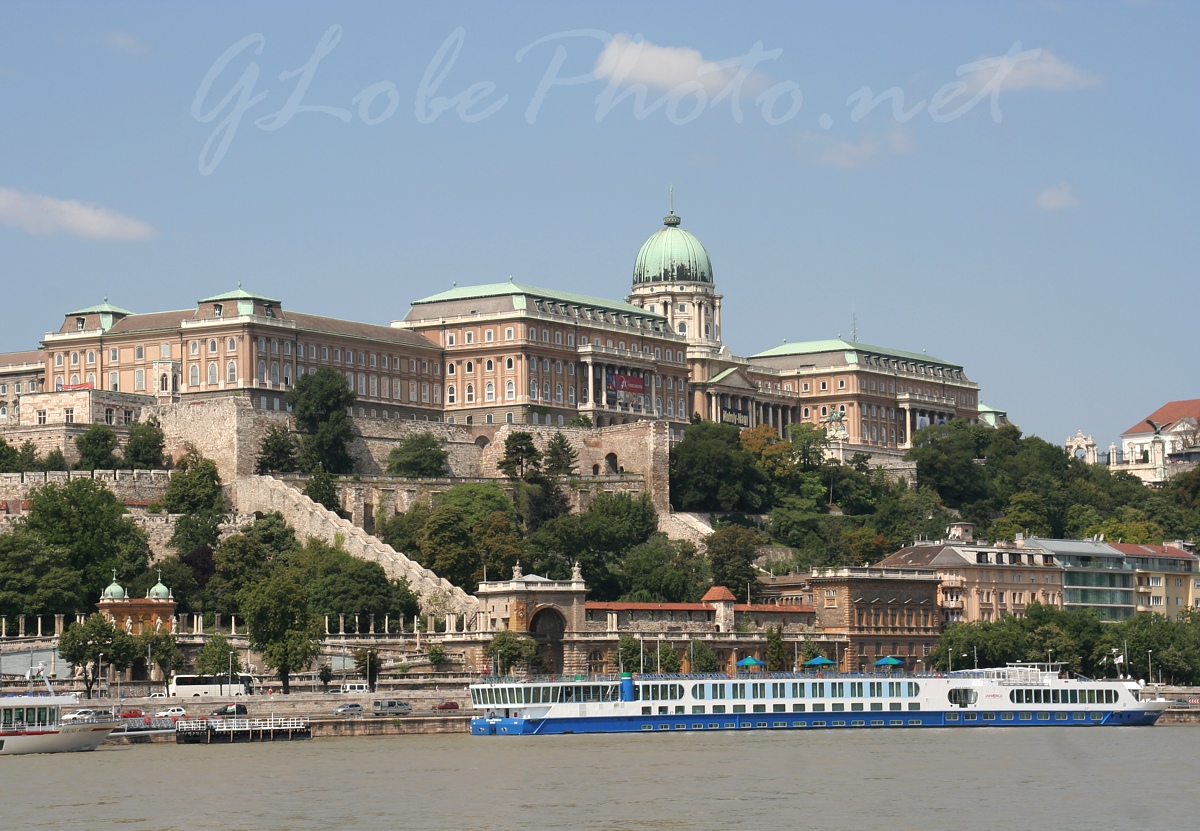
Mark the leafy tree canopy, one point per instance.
(561, 458)
(320, 403)
(711, 472)
(418, 455)
(97, 447)
(277, 452)
(144, 447)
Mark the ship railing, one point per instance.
(222, 725)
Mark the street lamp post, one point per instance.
(99, 672)
(975, 649)
(231, 654)
(370, 686)
(1149, 665)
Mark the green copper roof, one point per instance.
(814, 347)
(103, 308)
(239, 294)
(672, 255)
(519, 290)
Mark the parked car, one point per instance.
(447, 705)
(171, 712)
(132, 712)
(390, 707)
(157, 695)
(230, 710)
(84, 715)
(349, 710)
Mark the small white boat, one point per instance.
(33, 723)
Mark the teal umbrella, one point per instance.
(819, 661)
(751, 661)
(889, 661)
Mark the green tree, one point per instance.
(561, 458)
(277, 452)
(632, 655)
(731, 553)
(8, 458)
(418, 455)
(215, 656)
(84, 645)
(664, 571)
(195, 493)
(499, 545)
(521, 456)
(701, 658)
(320, 402)
(325, 675)
(87, 521)
(539, 500)
(711, 472)
(28, 459)
(511, 650)
(368, 665)
(144, 447)
(447, 546)
(581, 420)
(437, 656)
(97, 448)
(321, 488)
(37, 578)
(161, 650)
(55, 460)
(666, 659)
(778, 659)
(246, 559)
(280, 624)
(402, 530)
(478, 501)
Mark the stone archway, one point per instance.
(610, 463)
(547, 626)
(1084, 447)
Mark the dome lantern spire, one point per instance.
(671, 220)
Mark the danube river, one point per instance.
(1028, 779)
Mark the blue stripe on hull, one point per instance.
(783, 721)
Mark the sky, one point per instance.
(1007, 186)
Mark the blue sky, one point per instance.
(1007, 186)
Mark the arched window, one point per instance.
(450, 368)
(508, 418)
(510, 390)
(212, 344)
(212, 372)
(489, 391)
(490, 365)
(58, 359)
(451, 394)
(469, 368)
(231, 345)
(558, 393)
(274, 373)
(91, 357)
(508, 363)
(194, 376)
(362, 384)
(682, 327)
(470, 393)
(533, 390)
(670, 407)
(262, 372)
(546, 390)
(74, 359)
(231, 372)
(162, 382)
(570, 395)
(194, 347)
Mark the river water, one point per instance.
(1039, 778)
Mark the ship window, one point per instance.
(962, 696)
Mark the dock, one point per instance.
(231, 730)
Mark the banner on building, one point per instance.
(738, 418)
(87, 385)
(623, 388)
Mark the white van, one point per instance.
(356, 688)
(390, 707)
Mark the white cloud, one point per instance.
(39, 214)
(627, 61)
(125, 42)
(850, 155)
(1058, 198)
(1032, 69)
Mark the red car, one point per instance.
(132, 712)
(447, 705)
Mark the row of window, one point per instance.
(835, 707)
(18, 387)
(793, 689)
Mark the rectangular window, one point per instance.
(41, 416)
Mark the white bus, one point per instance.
(198, 686)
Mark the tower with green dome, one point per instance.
(673, 276)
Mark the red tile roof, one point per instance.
(18, 358)
(1166, 415)
(718, 594)
(1133, 550)
(618, 606)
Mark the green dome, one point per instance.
(672, 255)
(113, 592)
(159, 592)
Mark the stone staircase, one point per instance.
(265, 494)
(684, 526)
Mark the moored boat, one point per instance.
(33, 723)
(1017, 695)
